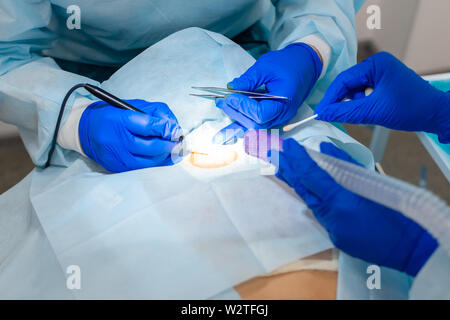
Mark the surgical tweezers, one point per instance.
(253, 95)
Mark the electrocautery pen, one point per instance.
(108, 97)
(97, 92)
(112, 100)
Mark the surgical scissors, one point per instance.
(253, 95)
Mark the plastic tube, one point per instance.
(419, 204)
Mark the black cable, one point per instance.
(58, 122)
(95, 91)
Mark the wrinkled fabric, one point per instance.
(28, 265)
(433, 281)
(34, 33)
(168, 235)
(353, 277)
(135, 234)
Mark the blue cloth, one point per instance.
(122, 140)
(401, 99)
(358, 226)
(290, 72)
(33, 33)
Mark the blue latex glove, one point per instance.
(290, 72)
(122, 140)
(356, 225)
(401, 99)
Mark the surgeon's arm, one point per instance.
(327, 25)
(32, 88)
(356, 225)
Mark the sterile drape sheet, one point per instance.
(178, 231)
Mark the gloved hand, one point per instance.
(290, 72)
(356, 225)
(401, 99)
(122, 140)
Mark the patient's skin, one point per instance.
(295, 285)
(213, 160)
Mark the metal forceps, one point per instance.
(224, 91)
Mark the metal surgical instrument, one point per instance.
(224, 91)
(291, 126)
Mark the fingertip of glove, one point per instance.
(289, 144)
(177, 133)
(219, 102)
(230, 100)
(334, 151)
(330, 149)
(325, 145)
(318, 111)
(240, 83)
(233, 99)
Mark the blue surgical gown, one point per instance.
(34, 35)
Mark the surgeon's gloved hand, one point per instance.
(290, 72)
(356, 225)
(401, 99)
(122, 140)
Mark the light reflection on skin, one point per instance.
(204, 154)
(214, 159)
